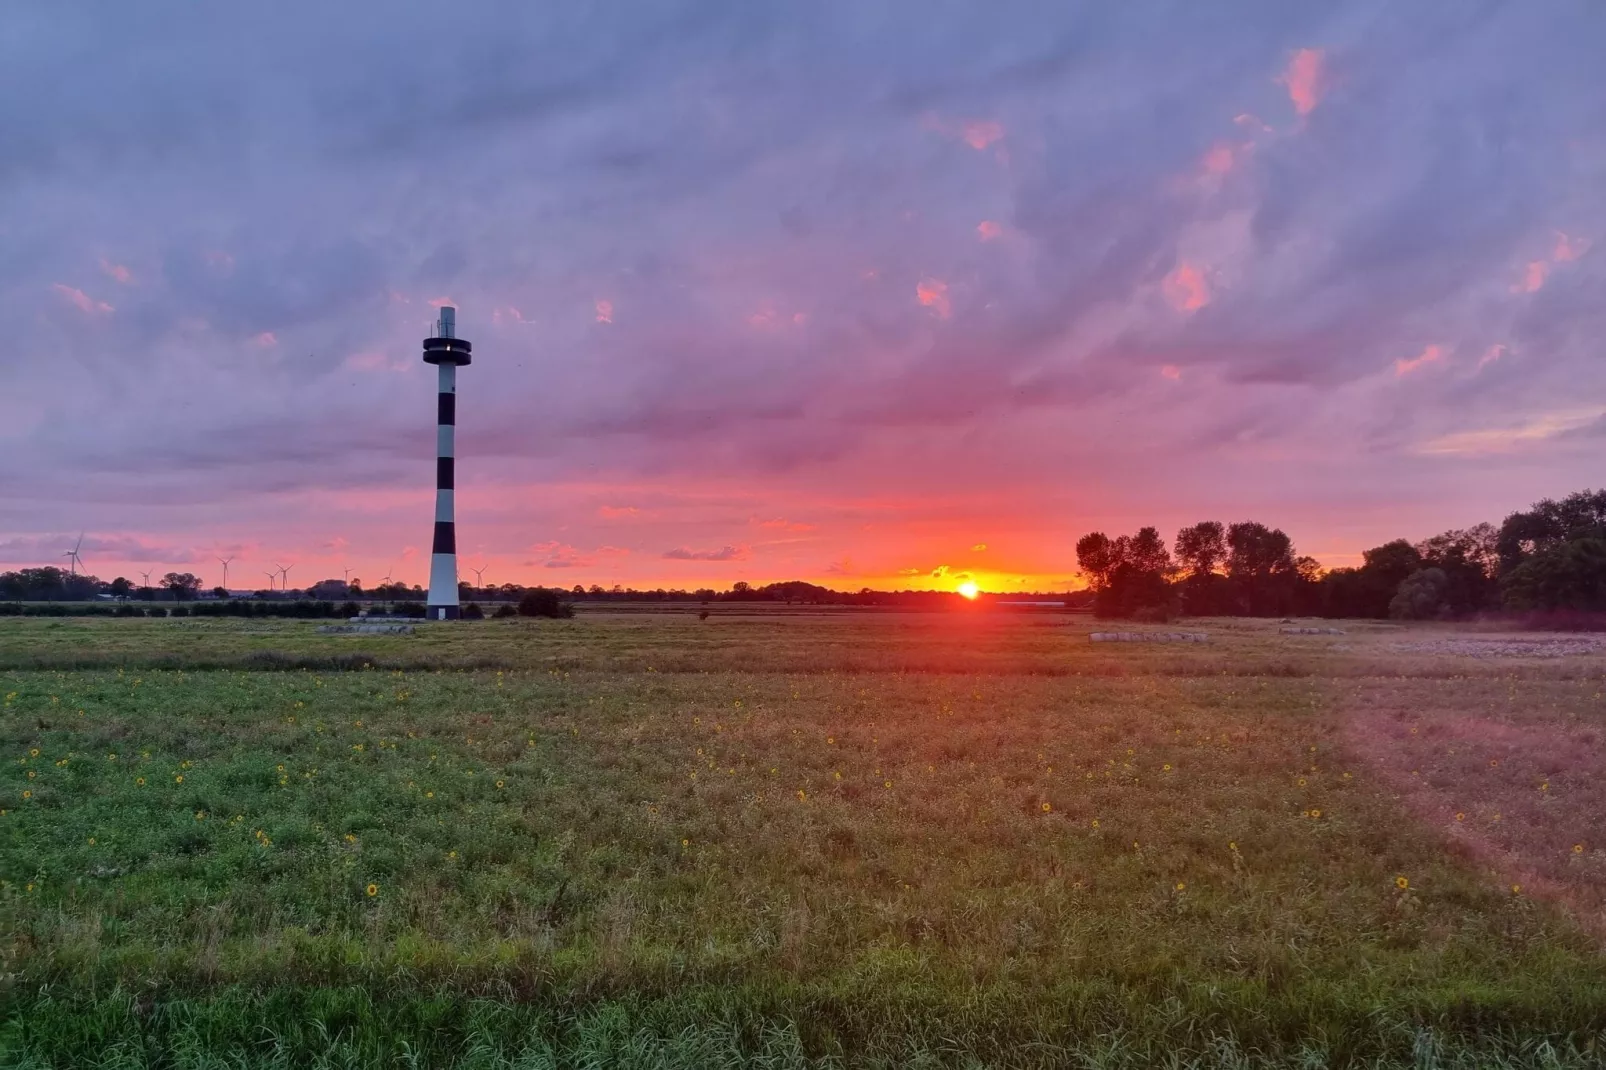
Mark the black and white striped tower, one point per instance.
(446, 352)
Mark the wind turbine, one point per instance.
(479, 574)
(347, 571)
(72, 556)
(147, 575)
(284, 570)
(225, 562)
(270, 576)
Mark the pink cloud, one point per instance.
(1430, 355)
(86, 304)
(782, 524)
(123, 275)
(266, 338)
(1304, 79)
(1186, 288)
(724, 553)
(933, 293)
(1171, 371)
(987, 230)
(1220, 159)
(620, 512)
(979, 133)
(441, 302)
(1532, 278)
(508, 313)
(1569, 248)
(612, 551)
(1253, 122)
(604, 309)
(1493, 354)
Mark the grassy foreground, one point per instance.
(664, 842)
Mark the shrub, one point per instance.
(408, 609)
(503, 611)
(349, 609)
(472, 611)
(541, 602)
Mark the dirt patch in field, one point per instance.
(1504, 647)
(1524, 800)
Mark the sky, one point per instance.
(886, 295)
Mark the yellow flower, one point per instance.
(33, 752)
(1460, 817)
(1166, 768)
(139, 782)
(1095, 822)
(281, 767)
(830, 739)
(1401, 882)
(1316, 814)
(350, 838)
(91, 841)
(1301, 781)
(801, 795)
(1578, 848)
(200, 815)
(31, 774)
(373, 890)
(1181, 885)
(1516, 889)
(499, 783)
(1232, 845)
(685, 843)
(1048, 808)
(27, 795)
(429, 794)
(178, 778)
(1493, 762)
(451, 854)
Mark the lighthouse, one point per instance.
(447, 352)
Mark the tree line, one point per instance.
(1550, 558)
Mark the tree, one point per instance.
(1470, 561)
(220, 592)
(578, 591)
(540, 602)
(1200, 552)
(182, 585)
(1261, 569)
(1568, 574)
(1421, 596)
(1581, 515)
(119, 588)
(328, 590)
(1097, 557)
(1129, 576)
(1202, 548)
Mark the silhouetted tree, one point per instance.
(1097, 557)
(1261, 572)
(119, 588)
(540, 602)
(1421, 596)
(181, 585)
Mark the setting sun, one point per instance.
(968, 589)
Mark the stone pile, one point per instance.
(1148, 637)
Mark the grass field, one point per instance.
(796, 839)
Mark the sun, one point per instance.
(968, 589)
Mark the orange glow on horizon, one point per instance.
(968, 589)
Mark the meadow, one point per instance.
(797, 838)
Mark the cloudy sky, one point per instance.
(866, 294)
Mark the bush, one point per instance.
(179, 611)
(504, 611)
(472, 611)
(541, 602)
(349, 609)
(408, 609)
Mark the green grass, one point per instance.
(750, 844)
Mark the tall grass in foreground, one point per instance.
(609, 868)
